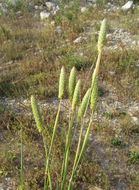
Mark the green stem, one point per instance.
(84, 142)
(52, 142)
(79, 152)
(48, 171)
(67, 151)
(76, 156)
(96, 71)
(21, 160)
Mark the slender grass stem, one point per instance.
(67, 151)
(51, 144)
(21, 160)
(62, 170)
(46, 153)
(96, 71)
(79, 151)
(84, 142)
(76, 156)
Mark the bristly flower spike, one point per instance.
(102, 35)
(36, 114)
(61, 83)
(72, 83)
(84, 104)
(76, 95)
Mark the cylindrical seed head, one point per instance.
(102, 35)
(61, 83)
(95, 75)
(36, 114)
(84, 104)
(94, 95)
(72, 83)
(76, 95)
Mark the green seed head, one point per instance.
(61, 83)
(102, 35)
(95, 75)
(72, 83)
(36, 114)
(94, 95)
(76, 95)
(84, 104)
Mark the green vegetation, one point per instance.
(134, 155)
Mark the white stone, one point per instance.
(44, 15)
(59, 29)
(50, 5)
(135, 120)
(56, 9)
(128, 6)
(78, 40)
(52, 23)
(84, 9)
(36, 7)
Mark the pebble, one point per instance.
(44, 15)
(84, 9)
(128, 6)
(135, 120)
(59, 30)
(50, 6)
(80, 39)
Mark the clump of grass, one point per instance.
(116, 142)
(67, 178)
(134, 155)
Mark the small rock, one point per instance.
(112, 73)
(128, 6)
(56, 9)
(52, 23)
(134, 109)
(79, 40)
(137, 65)
(84, 9)
(59, 29)
(135, 120)
(44, 15)
(18, 13)
(50, 6)
(134, 43)
(36, 7)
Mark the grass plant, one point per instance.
(90, 97)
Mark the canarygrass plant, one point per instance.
(69, 167)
